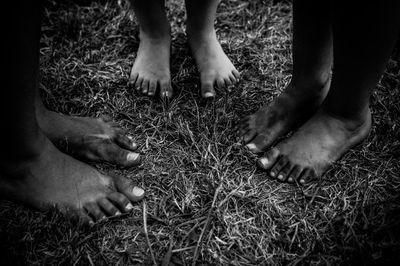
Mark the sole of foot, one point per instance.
(314, 147)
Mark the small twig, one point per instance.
(146, 233)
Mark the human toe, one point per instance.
(138, 83)
(278, 166)
(133, 78)
(220, 83)
(165, 89)
(125, 141)
(294, 174)
(126, 187)
(268, 160)
(94, 211)
(259, 143)
(207, 90)
(284, 172)
(152, 87)
(120, 201)
(307, 176)
(108, 207)
(236, 74)
(145, 86)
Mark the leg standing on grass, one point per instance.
(361, 48)
(151, 70)
(32, 171)
(214, 66)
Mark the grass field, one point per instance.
(206, 202)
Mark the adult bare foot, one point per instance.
(151, 70)
(314, 147)
(214, 66)
(290, 109)
(52, 178)
(93, 139)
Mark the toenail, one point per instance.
(137, 191)
(129, 206)
(290, 179)
(302, 181)
(280, 177)
(208, 94)
(118, 213)
(166, 94)
(251, 146)
(264, 161)
(272, 174)
(129, 137)
(132, 156)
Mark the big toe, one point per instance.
(109, 151)
(166, 89)
(267, 161)
(128, 189)
(259, 143)
(207, 86)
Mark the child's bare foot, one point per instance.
(314, 147)
(151, 71)
(289, 110)
(51, 178)
(88, 138)
(214, 66)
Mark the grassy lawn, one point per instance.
(206, 202)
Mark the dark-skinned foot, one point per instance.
(52, 178)
(294, 106)
(311, 150)
(92, 139)
(214, 66)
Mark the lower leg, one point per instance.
(361, 49)
(32, 170)
(151, 70)
(312, 59)
(214, 66)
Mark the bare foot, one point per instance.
(88, 138)
(151, 69)
(290, 109)
(320, 142)
(52, 178)
(214, 66)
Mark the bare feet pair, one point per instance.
(320, 140)
(151, 71)
(49, 177)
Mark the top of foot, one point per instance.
(214, 66)
(313, 148)
(54, 179)
(90, 139)
(151, 71)
(289, 110)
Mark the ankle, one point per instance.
(25, 152)
(316, 82)
(352, 120)
(195, 33)
(159, 33)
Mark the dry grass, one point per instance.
(206, 201)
